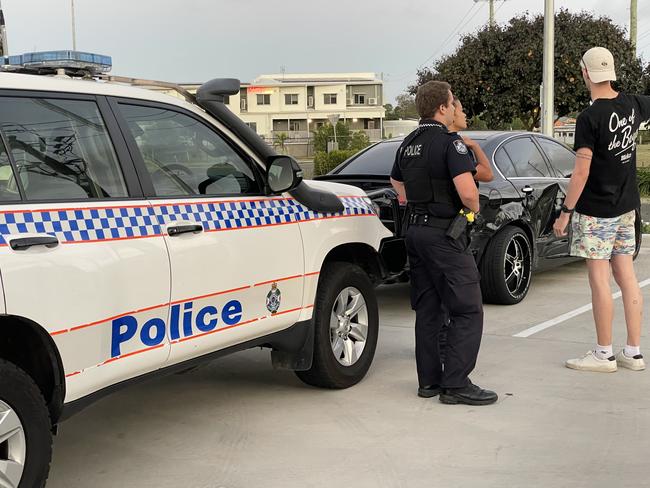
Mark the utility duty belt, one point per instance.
(429, 221)
(455, 227)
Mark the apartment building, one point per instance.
(296, 104)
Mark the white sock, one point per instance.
(631, 351)
(603, 352)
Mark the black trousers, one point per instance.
(444, 280)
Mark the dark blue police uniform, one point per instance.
(444, 276)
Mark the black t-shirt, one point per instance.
(448, 156)
(609, 128)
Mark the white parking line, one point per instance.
(566, 316)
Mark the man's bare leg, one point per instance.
(623, 271)
(601, 299)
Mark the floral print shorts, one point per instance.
(601, 238)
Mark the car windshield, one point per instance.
(377, 160)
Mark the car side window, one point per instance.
(8, 189)
(562, 159)
(526, 158)
(502, 160)
(184, 157)
(61, 149)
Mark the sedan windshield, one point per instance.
(377, 160)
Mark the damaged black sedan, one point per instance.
(513, 235)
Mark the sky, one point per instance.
(197, 40)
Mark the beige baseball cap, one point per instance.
(599, 63)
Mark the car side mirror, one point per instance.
(283, 174)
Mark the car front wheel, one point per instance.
(506, 267)
(25, 431)
(346, 322)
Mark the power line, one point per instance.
(407, 74)
(454, 32)
(645, 34)
(499, 7)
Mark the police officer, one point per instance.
(433, 171)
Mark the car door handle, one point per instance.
(184, 229)
(527, 190)
(23, 243)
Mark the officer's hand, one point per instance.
(560, 225)
(470, 143)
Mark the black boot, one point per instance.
(429, 391)
(469, 395)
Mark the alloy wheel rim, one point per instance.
(517, 265)
(349, 326)
(13, 447)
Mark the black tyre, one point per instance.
(346, 321)
(25, 430)
(506, 267)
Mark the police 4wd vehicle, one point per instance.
(141, 234)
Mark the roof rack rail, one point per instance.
(145, 83)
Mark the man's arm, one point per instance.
(576, 186)
(399, 188)
(483, 168)
(467, 191)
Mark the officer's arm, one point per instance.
(399, 188)
(467, 190)
(483, 168)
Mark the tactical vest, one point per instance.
(422, 188)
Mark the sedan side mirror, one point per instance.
(284, 174)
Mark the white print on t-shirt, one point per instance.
(624, 137)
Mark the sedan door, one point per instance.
(523, 163)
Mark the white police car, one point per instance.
(141, 234)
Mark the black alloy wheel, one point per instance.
(506, 267)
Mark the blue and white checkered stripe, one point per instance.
(99, 224)
(78, 225)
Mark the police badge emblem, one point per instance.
(273, 299)
(460, 146)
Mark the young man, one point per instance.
(603, 189)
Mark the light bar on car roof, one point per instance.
(53, 60)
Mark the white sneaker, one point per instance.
(635, 363)
(589, 362)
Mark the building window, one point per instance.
(330, 98)
(263, 99)
(252, 125)
(294, 125)
(359, 99)
(291, 99)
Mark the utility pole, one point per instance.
(548, 83)
(633, 21)
(4, 50)
(492, 22)
(74, 31)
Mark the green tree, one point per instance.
(359, 141)
(405, 108)
(390, 112)
(325, 133)
(280, 141)
(497, 71)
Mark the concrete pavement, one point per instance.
(237, 423)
